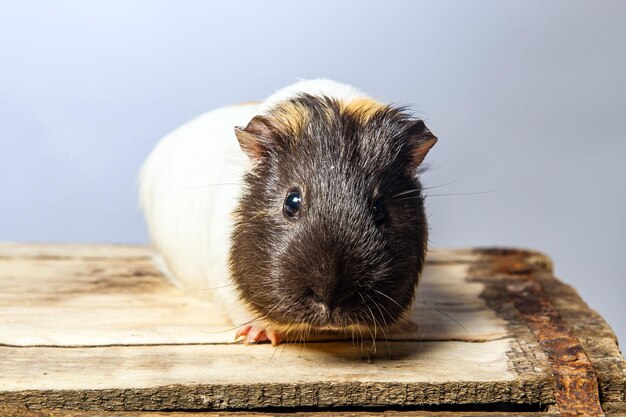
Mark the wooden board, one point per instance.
(12, 412)
(96, 327)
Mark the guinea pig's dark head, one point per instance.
(330, 232)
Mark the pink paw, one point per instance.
(251, 333)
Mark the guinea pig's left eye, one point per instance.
(291, 207)
(378, 211)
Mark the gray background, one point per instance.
(528, 100)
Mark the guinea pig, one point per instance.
(300, 214)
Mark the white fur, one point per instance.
(318, 87)
(190, 185)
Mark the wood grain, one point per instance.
(22, 412)
(124, 300)
(96, 327)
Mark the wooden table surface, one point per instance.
(96, 327)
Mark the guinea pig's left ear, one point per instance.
(256, 138)
(420, 141)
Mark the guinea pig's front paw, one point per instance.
(257, 333)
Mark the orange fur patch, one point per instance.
(362, 107)
(292, 118)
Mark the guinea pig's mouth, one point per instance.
(350, 317)
(321, 319)
(308, 328)
(330, 327)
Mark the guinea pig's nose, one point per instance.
(333, 298)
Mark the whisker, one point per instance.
(378, 306)
(392, 300)
(362, 338)
(382, 328)
(390, 316)
(443, 195)
(375, 329)
(415, 190)
(373, 335)
(251, 321)
(444, 314)
(230, 329)
(351, 327)
(441, 185)
(449, 194)
(272, 356)
(239, 305)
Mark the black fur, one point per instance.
(334, 253)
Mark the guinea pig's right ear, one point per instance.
(255, 138)
(421, 140)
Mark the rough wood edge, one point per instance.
(25, 412)
(577, 392)
(595, 336)
(292, 395)
(615, 408)
(585, 360)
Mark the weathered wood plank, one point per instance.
(151, 366)
(12, 412)
(97, 327)
(126, 301)
(594, 334)
(236, 376)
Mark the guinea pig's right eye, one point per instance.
(291, 207)
(379, 212)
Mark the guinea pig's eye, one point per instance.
(291, 207)
(378, 211)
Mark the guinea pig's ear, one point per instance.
(255, 138)
(420, 141)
